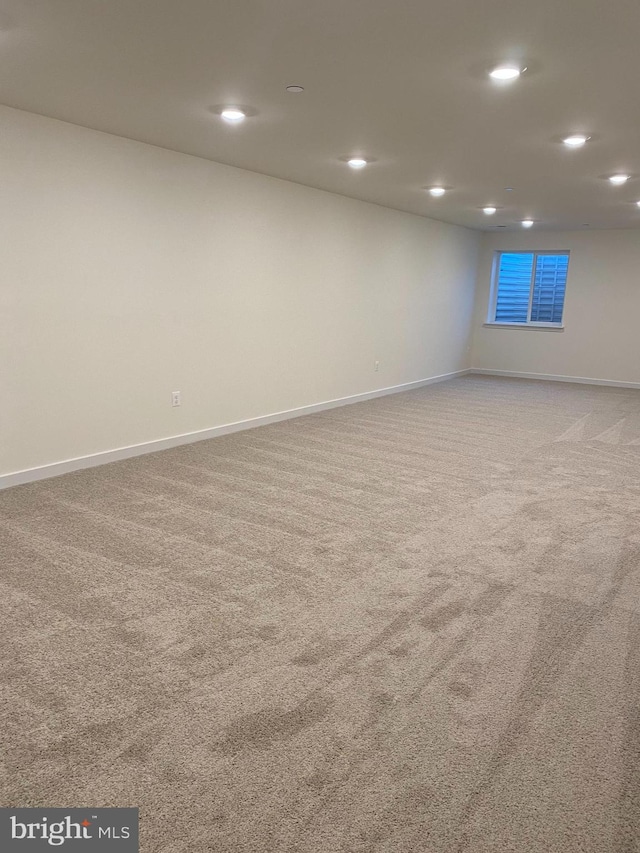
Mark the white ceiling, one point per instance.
(404, 82)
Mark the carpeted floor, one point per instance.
(410, 625)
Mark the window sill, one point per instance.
(532, 327)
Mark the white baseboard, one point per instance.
(30, 475)
(552, 377)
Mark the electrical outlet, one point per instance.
(175, 398)
(376, 366)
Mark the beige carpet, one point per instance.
(406, 626)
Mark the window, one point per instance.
(528, 288)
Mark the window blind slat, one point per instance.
(549, 288)
(514, 277)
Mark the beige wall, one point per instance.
(130, 271)
(601, 339)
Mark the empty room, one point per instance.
(320, 426)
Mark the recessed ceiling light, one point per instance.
(527, 223)
(295, 89)
(233, 114)
(489, 210)
(506, 72)
(576, 140)
(357, 163)
(619, 179)
(508, 189)
(437, 191)
(638, 203)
